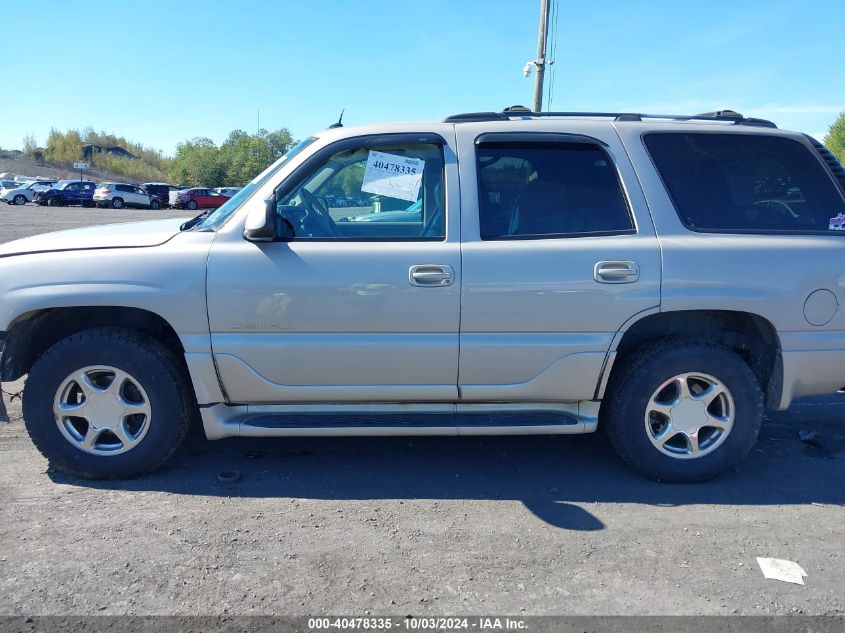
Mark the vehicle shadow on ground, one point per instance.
(554, 476)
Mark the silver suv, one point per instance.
(666, 278)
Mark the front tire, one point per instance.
(55, 202)
(107, 403)
(20, 200)
(155, 205)
(680, 410)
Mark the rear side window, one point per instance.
(536, 190)
(746, 183)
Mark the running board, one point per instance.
(355, 419)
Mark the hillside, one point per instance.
(21, 165)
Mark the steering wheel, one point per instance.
(315, 209)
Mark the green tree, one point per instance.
(238, 160)
(197, 163)
(835, 139)
(63, 147)
(29, 145)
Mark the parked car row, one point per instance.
(117, 195)
(346, 201)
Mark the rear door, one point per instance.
(140, 197)
(559, 251)
(72, 193)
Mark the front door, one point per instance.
(559, 252)
(363, 304)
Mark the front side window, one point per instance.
(387, 192)
(746, 183)
(530, 190)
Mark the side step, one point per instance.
(399, 419)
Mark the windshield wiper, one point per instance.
(185, 226)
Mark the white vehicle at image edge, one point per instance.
(22, 193)
(666, 278)
(120, 195)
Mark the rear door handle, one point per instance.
(431, 275)
(616, 272)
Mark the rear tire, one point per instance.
(117, 203)
(669, 436)
(75, 374)
(192, 205)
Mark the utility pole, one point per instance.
(540, 62)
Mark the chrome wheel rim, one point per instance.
(689, 416)
(102, 410)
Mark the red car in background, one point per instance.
(197, 198)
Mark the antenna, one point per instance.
(339, 121)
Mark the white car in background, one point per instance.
(227, 191)
(21, 193)
(118, 195)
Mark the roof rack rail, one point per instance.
(522, 112)
(469, 117)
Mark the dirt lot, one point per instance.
(532, 525)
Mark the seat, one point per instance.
(541, 209)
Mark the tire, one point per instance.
(151, 377)
(117, 203)
(155, 205)
(192, 205)
(55, 202)
(647, 383)
(20, 200)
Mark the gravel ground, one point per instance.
(530, 525)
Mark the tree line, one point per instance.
(198, 162)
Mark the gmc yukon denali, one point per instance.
(667, 278)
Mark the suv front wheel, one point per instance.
(107, 403)
(681, 410)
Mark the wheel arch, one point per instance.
(33, 333)
(750, 335)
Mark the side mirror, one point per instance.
(265, 225)
(261, 223)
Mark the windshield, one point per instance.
(216, 219)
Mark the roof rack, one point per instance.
(728, 116)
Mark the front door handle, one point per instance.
(431, 275)
(616, 272)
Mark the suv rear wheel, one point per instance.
(107, 404)
(681, 410)
(192, 205)
(117, 203)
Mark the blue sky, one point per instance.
(159, 72)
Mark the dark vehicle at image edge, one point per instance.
(160, 190)
(68, 192)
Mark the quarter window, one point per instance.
(746, 183)
(530, 190)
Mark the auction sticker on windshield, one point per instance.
(393, 176)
